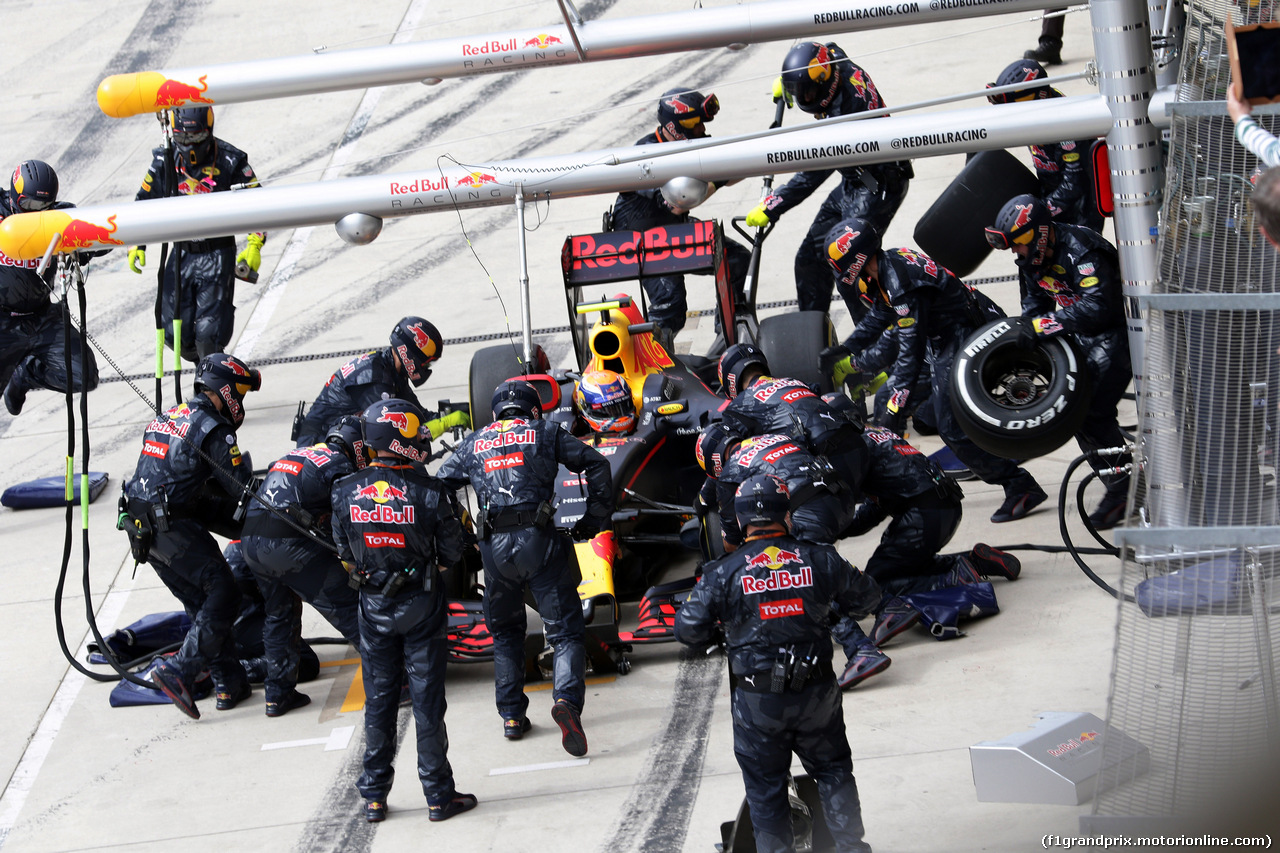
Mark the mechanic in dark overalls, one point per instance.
(390, 371)
(773, 598)
(33, 348)
(760, 404)
(292, 556)
(682, 114)
(934, 313)
(396, 529)
(1069, 278)
(823, 81)
(191, 478)
(202, 163)
(512, 465)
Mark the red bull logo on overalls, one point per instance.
(777, 579)
(504, 439)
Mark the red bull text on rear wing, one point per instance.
(623, 255)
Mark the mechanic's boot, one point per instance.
(992, 561)
(15, 393)
(375, 811)
(1019, 502)
(288, 703)
(515, 729)
(567, 717)
(1047, 52)
(867, 662)
(1110, 511)
(961, 573)
(895, 617)
(453, 805)
(228, 698)
(170, 682)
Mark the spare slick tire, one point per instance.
(792, 342)
(1018, 403)
(951, 230)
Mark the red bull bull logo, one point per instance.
(399, 420)
(1023, 217)
(543, 41)
(175, 93)
(605, 546)
(840, 246)
(78, 234)
(678, 106)
(380, 492)
(475, 179)
(236, 367)
(819, 64)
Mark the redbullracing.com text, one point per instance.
(1197, 842)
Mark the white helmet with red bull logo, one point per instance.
(228, 378)
(417, 343)
(396, 426)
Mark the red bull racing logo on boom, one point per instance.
(543, 41)
(175, 93)
(475, 179)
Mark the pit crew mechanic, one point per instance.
(1069, 280)
(784, 693)
(1061, 167)
(512, 465)
(33, 349)
(291, 565)
(396, 527)
(189, 480)
(934, 312)
(203, 163)
(823, 81)
(415, 344)
(682, 114)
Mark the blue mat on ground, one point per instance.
(51, 491)
(126, 694)
(947, 460)
(942, 609)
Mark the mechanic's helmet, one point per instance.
(682, 112)
(846, 408)
(849, 246)
(713, 447)
(735, 361)
(417, 343)
(193, 135)
(34, 186)
(761, 499)
(1022, 71)
(347, 437)
(811, 75)
(396, 426)
(516, 398)
(1023, 221)
(229, 378)
(604, 399)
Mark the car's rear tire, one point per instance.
(490, 367)
(1018, 403)
(792, 342)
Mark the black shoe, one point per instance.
(992, 561)
(228, 699)
(573, 739)
(1048, 52)
(961, 573)
(287, 704)
(170, 682)
(15, 395)
(455, 805)
(515, 729)
(375, 811)
(1018, 504)
(1110, 512)
(867, 662)
(895, 617)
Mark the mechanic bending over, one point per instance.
(512, 465)
(190, 479)
(783, 691)
(396, 528)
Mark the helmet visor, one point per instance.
(190, 137)
(31, 205)
(996, 239)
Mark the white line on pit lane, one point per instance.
(337, 739)
(531, 768)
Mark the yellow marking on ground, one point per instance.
(533, 688)
(343, 662)
(355, 694)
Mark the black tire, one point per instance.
(1018, 403)
(792, 342)
(490, 367)
(951, 230)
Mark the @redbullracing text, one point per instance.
(1198, 842)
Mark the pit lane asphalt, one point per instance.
(661, 774)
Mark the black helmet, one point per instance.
(682, 112)
(417, 343)
(713, 447)
(396, 426)
(515, 397)
(34, 186)
(734, 362)
(1022, 71)
(761, 499)
(1023, 221)
(811, 74)
(849, 246)
(193, 136)
(347, 437)
(229, 378)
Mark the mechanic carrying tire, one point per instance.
(1069, 280)
(934, 313)
(512, 464)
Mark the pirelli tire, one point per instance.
(1018, 403)
(792, 342)
(490, 367)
